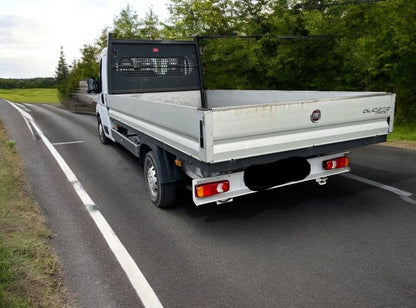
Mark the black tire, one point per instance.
(103, 138)
(161, 195)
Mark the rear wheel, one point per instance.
(103, 138)
(162, 195)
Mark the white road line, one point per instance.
(30, 128)
(22, 112)
(136, 277)
(23, 107)
(406, 196)
(69, 142)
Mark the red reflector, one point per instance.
(210, 189)
(155, 49)
(336, 163)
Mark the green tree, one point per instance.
(89, 61)
(194, 17)
(62, 74)
(375, 47)
(150, 26)
(126, 25)
(253, 17)
(101, 41)
(85, 68)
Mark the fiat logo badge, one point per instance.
(316, 116)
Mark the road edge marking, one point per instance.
(405, 195)
(142, 287)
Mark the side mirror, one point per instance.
(92, 86)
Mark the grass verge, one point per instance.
(30, 95)
(29, 274)
(403, 132)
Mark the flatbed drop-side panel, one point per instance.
(231, 133)
(241, 132)
(174, 125)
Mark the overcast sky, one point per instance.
(32, 31)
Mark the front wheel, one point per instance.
(162, 195)
(103, 138)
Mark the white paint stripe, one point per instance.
(65, 143)
(23, 107)
(406, 196)
(136, 277)
(30, 128)
(22, 112)
(82, 194)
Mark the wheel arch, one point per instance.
(168, 171)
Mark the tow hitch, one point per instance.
(321, 181)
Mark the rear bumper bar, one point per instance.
(238, 186)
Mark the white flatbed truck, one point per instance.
(227, 143)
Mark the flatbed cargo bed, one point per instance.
(240, 124)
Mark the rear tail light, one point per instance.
(210, 189)
(336, 163)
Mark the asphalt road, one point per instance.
(347, 244)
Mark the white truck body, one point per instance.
(217, 135)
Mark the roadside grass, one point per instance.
(29, 275)
(49, 96)
(403, 132)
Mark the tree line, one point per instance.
(357, 45)
(27, 83)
